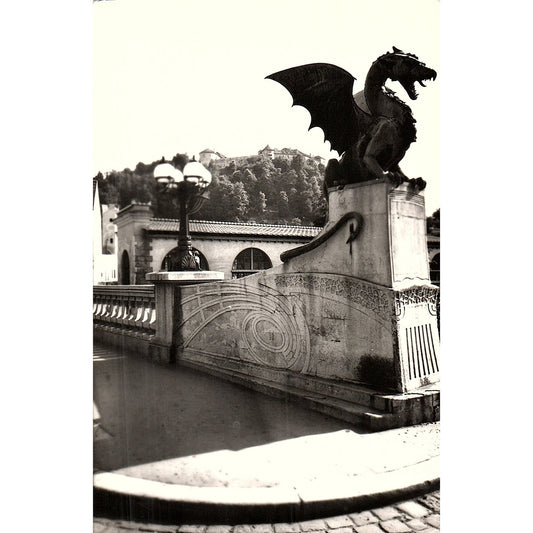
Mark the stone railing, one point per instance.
(128, 308)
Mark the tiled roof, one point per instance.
(233, 228)
(243, 228)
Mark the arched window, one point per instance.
(170, 259)
(434, 269)
(125, 269)
(248, 262)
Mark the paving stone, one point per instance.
(413, 509)
(339, 521)
(434, 520)
(416, 524)
(244, 528)
(218, 529)
(313, 525)
(394, 526)
(431, 501)
(286, 528)
(341, 530)
(386, 513)
(99, 528)
(429, 530)
(262, 528)
(361, 519)
(157, 528)
(121, 524)
(191, 529)
(369, 528)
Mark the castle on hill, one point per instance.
(210, 157)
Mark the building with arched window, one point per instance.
(147, 244)
(250, 261)
(104, 241)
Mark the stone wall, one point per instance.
(357, 308)
(319, 325)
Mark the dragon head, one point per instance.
(407, 69)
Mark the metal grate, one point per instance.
(421, 355)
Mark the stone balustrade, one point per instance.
(127, 309)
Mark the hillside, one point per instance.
(264, 191)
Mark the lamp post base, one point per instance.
(187, 261)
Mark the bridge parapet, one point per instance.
(126, 313)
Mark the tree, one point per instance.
(433, 222)
(179, 161)
(228, 201)
(257, 188)
(284, 210)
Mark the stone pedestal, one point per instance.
(168, 309)
(391, 251)
(374, 247)
(375, 232)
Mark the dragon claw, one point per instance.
(418, 184)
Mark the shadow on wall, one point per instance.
(377, 371)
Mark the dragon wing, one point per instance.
(326, 92)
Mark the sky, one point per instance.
(175, 76)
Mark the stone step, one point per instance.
(352, 412)
(349, 391)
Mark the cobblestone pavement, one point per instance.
(421, 515)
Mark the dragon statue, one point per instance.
(370, 130)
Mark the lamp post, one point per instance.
(189, 186)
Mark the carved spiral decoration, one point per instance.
(270, 331)
(272, 339)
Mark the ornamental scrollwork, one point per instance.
(373, 298)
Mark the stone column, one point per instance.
(166, 345)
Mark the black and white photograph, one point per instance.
(222, 241)
(266, 266)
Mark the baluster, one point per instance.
(133, 312)
(146, 316)
(103, 310)
(153, 318)
(129, 319)
(122, 310)
(137, 320)
(107, 310)
(114, 312)
(126, 318)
